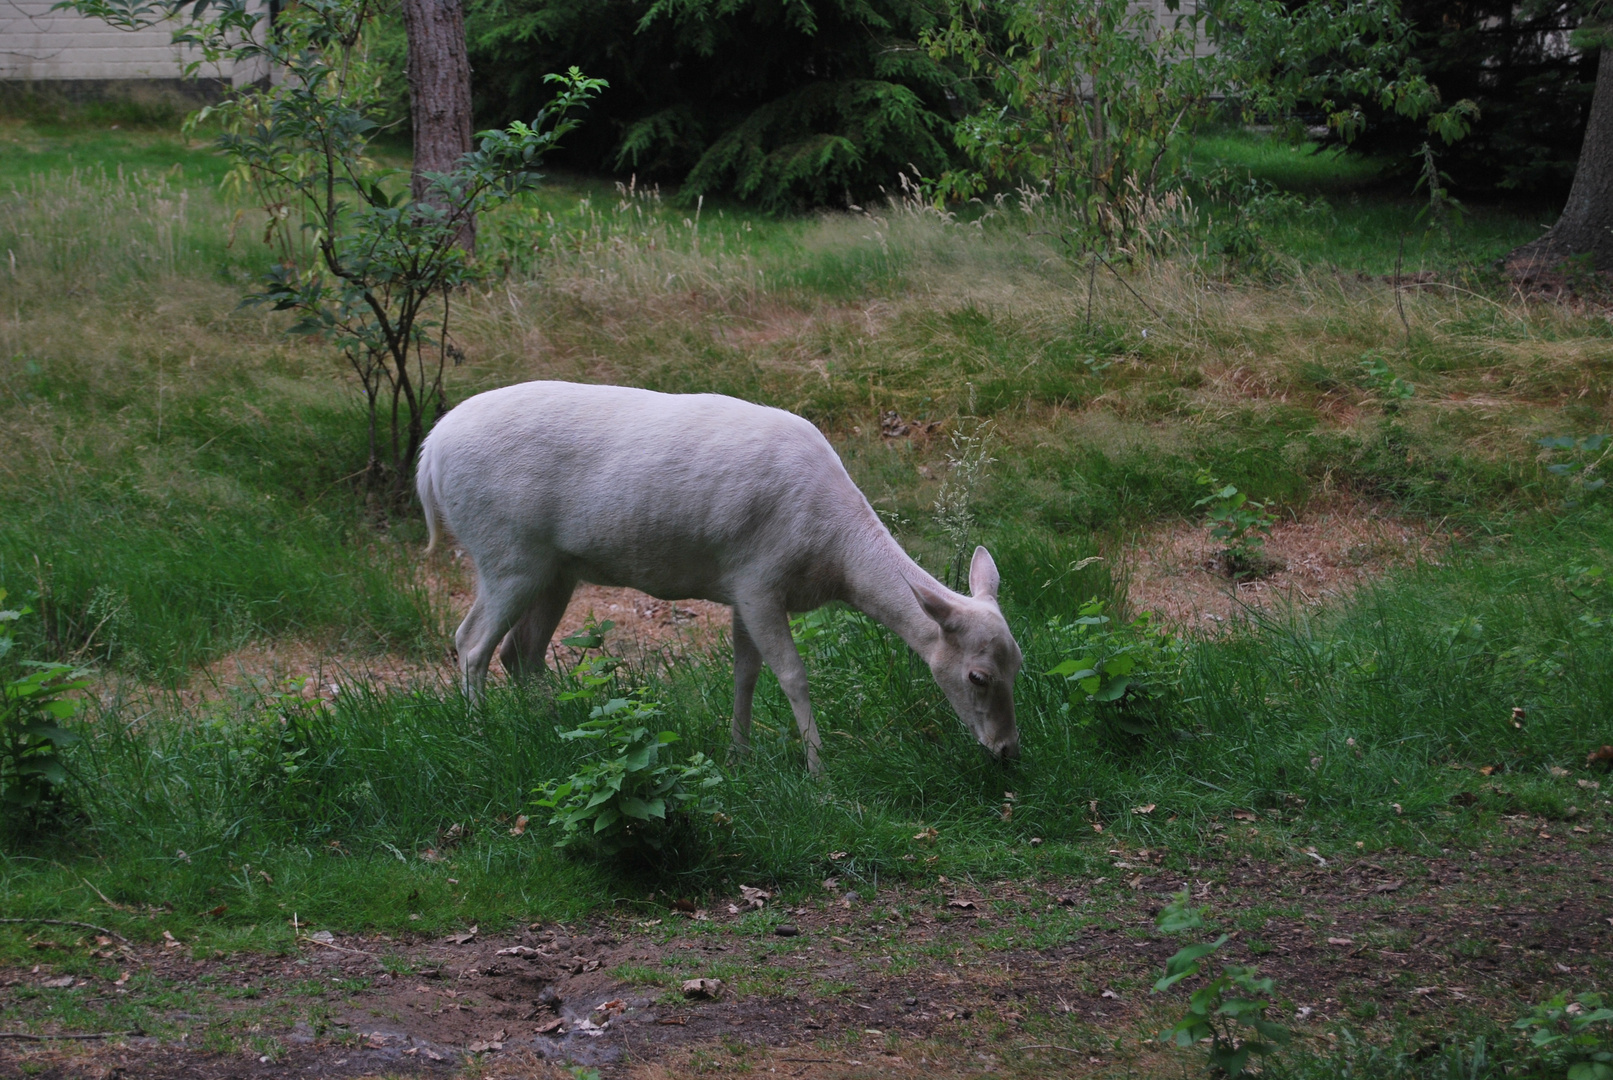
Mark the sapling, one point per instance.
(1229, 1010)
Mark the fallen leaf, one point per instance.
(1149, 809)
(1110, 994)
(430, 855)
(672, 1021)
(702, 989)
(836, 856)
(60, 983)
(264, 874)
(214, 913)
(324, 937)
(465, 938)
(1036, 841)
(1517, 717)
(1008, 812)
(1097, 828)
(754, 897)
(926, 834)
(961, 904)
(1388, 887)
(1340, 941)
(1589, 785)
(1488, 770)
(1243, 815)
(520, 825)
(518, 950)
(484, 1047)
(169, 941)
(685, 906)
(1397, 808)
(122, 979)
(557, 1026)
(1559, 772)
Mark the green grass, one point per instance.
(176, 478)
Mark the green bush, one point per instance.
(1216, 1011)
(1123, 674)
(33, 704)
(626, 799)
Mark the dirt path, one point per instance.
(1021, 978)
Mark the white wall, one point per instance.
(38, 44)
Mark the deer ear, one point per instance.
(983, 577)
(936, 605)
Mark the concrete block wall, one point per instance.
(38, 45)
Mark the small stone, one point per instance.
(851, 897)
(910, 1002)
(702, 989)
(786, 930)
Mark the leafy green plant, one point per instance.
(1123, 672)
(277, 749)
(1239, 523)
(360, 262)
(1575, 1036)
(1221, 1008)
(627, 799)
(33, 705)
(1577, 461)
(1391, 388)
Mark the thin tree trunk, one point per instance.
(1586, 224)
(439, 93)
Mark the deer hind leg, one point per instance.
(769, 628)
(526, 646)
(747, 666)
(501, 601)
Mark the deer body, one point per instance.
(692, 496)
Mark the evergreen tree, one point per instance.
(786, 103)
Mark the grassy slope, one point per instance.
(178, 465)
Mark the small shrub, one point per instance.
(1120, 673)
(1577, 462)
(1216, 1011)
(33, 704)
(627, 799)
(1390, 388)
(1572, 1037)
(1239, 523)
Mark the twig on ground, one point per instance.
(70, 922)
(338, 948)
(104, 898)
(1132, 291)
(1052, 1046)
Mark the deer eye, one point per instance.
(978, 678)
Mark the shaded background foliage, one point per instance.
(1533, 91)
(788, 104)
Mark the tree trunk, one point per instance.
(1586, 224)
(439, 93)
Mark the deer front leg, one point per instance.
(769, 628)
(747, 666)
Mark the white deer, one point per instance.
(692, 496)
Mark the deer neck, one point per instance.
(877, 577)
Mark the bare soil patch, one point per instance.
(645, 629)
(1325, 555)
(1028, 978)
